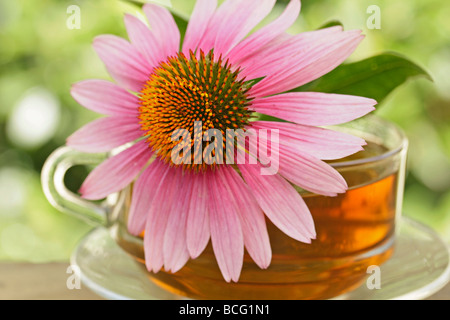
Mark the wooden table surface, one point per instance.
(25, 281)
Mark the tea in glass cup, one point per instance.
(355, 230)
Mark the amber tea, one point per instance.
(355, 230)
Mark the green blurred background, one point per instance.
(40, 57)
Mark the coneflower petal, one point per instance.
(256, 41)
(232, 21)
(164, 27)
(300, 168)
(158, 215)
(116, 173)
(321, 143)
(226, 230)
(284, 207)
(317, 60)
(197, 228)
(310, 173)
(142, 38)
(314, 108)
(198, 23)
(175, 249)
(270, 58)
(105, 97)
(238, 23)
(109, 133)
(256, 237)
(123, 61)
(144, 191)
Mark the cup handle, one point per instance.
(52, 179)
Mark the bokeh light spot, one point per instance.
(35, 118)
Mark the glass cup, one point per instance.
(355, 230)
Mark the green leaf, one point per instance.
(375, 77)
(182, 25)
(332, 23)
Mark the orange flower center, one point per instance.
(186, 93)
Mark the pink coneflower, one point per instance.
(161, 88)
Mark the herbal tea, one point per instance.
(354, 231)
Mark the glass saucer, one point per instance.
(419, 267)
